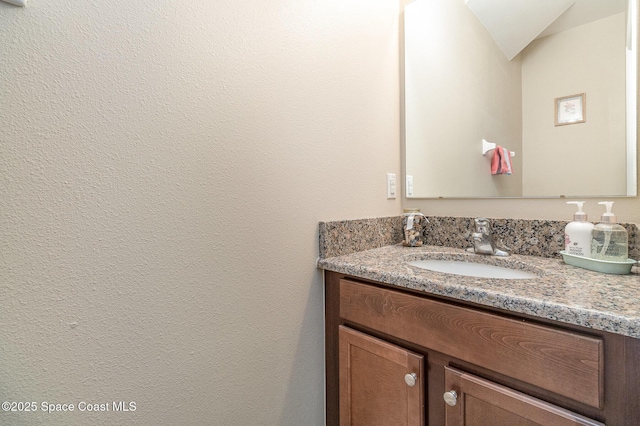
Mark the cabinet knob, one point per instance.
(410, 379)
(451, 398)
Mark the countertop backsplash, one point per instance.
(544, 238)
(350, 236)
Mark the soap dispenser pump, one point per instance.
(609, 240)
(577, 234)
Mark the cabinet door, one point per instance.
(472, 401)
(373, 387)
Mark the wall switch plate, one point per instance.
(391, 185)
(409, 186)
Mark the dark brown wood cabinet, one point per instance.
(501, 367)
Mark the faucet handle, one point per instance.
(482, 225)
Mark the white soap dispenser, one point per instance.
(577, 234)
(609, 241)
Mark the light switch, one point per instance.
(391, 185)
(409, 186)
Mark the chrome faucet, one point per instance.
(483, 242)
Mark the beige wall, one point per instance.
(576, 61)
(164, 166)
(460, 89)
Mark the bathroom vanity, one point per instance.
(408, 346)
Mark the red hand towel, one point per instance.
(501, 161)
(496, 160)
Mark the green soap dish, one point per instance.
(605, 266)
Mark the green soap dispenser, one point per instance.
(609, 241)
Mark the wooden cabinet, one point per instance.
(380, 383)
(472, 401)
(505, 368)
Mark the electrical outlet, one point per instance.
(409, 186)
(391, 185)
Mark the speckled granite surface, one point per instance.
(349, 236)
(543, 238)
(561, 292)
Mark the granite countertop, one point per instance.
(561, 292)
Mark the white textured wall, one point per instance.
(163, 167)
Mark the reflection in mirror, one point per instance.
(461, 88)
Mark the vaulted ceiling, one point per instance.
(514, 24)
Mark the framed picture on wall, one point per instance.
(571, 109)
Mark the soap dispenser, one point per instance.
(609, 240)
(577, 234)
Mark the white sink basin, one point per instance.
(471, 269)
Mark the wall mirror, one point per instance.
(552, 81)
